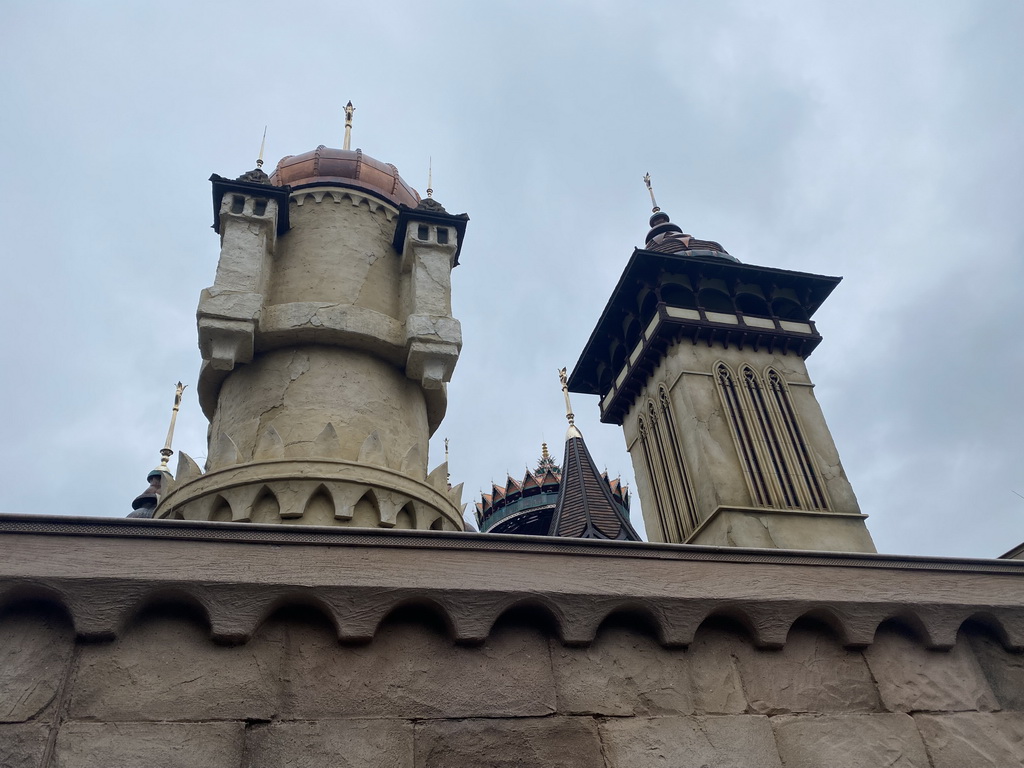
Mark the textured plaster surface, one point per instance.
(337, 251)
(356, 743)
(850, 741)
(35, 647)
(299, 392)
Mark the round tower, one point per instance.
(327, 341)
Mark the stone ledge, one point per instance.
(116, 567)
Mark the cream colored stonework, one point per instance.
(324, 343)
(726, 511)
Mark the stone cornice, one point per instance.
(105, 571)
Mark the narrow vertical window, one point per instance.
(652, 479)
(664, 471)
(807, 471)
(742, 436)
(680, 475)
(770, 442)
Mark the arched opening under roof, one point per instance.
(752, 304)
(678, 296)
(787, 309)
(715, 300)
(648, 306)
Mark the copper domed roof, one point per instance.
(345, 167)
(666, 237)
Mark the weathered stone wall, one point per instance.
(163, 694)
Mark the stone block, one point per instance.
(732, 741)
(22, 745)
(912, 678)
(166, 668)
(850, 741)
(1003, 670)
(717, 686)
(149, 745)
(34, 653)
(974, 739)
(330, 744)
(411, 669)
(812, 673)
(622, 673)
(566, 742)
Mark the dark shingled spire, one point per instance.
(585, 508)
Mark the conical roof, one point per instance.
(585, 507)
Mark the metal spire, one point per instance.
(573, 431)
(448, 474)
(263, 144)
(349, 109)
(430, 177)
(654, 203)
(166, 451)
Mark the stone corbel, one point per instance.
(433, 344)
(226, 343)
(227, 326)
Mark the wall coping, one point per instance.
(239, 574)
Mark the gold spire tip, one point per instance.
(263, 144)
(430, 177)
(166, 452)
(654, 203)
(349, 109)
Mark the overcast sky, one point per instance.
(882, 141)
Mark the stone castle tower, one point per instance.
(701, 360)
(327, 340)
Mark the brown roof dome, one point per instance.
(666, 237)
(345, 167)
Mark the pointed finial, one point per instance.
(166, 451)
(263, 144)
(430, 177)
(565, 391)
(449, 478)
(349, 109)
(647, 181)
(544, 451)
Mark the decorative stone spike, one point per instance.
(240, 499)
(390, 504)
(413, 464)
(293, 496)
(187, 469)
(223, 452)
(372, 451)
(439, 477)
(327, 444)
(269, 446)
(455, 494)
(346, 496)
